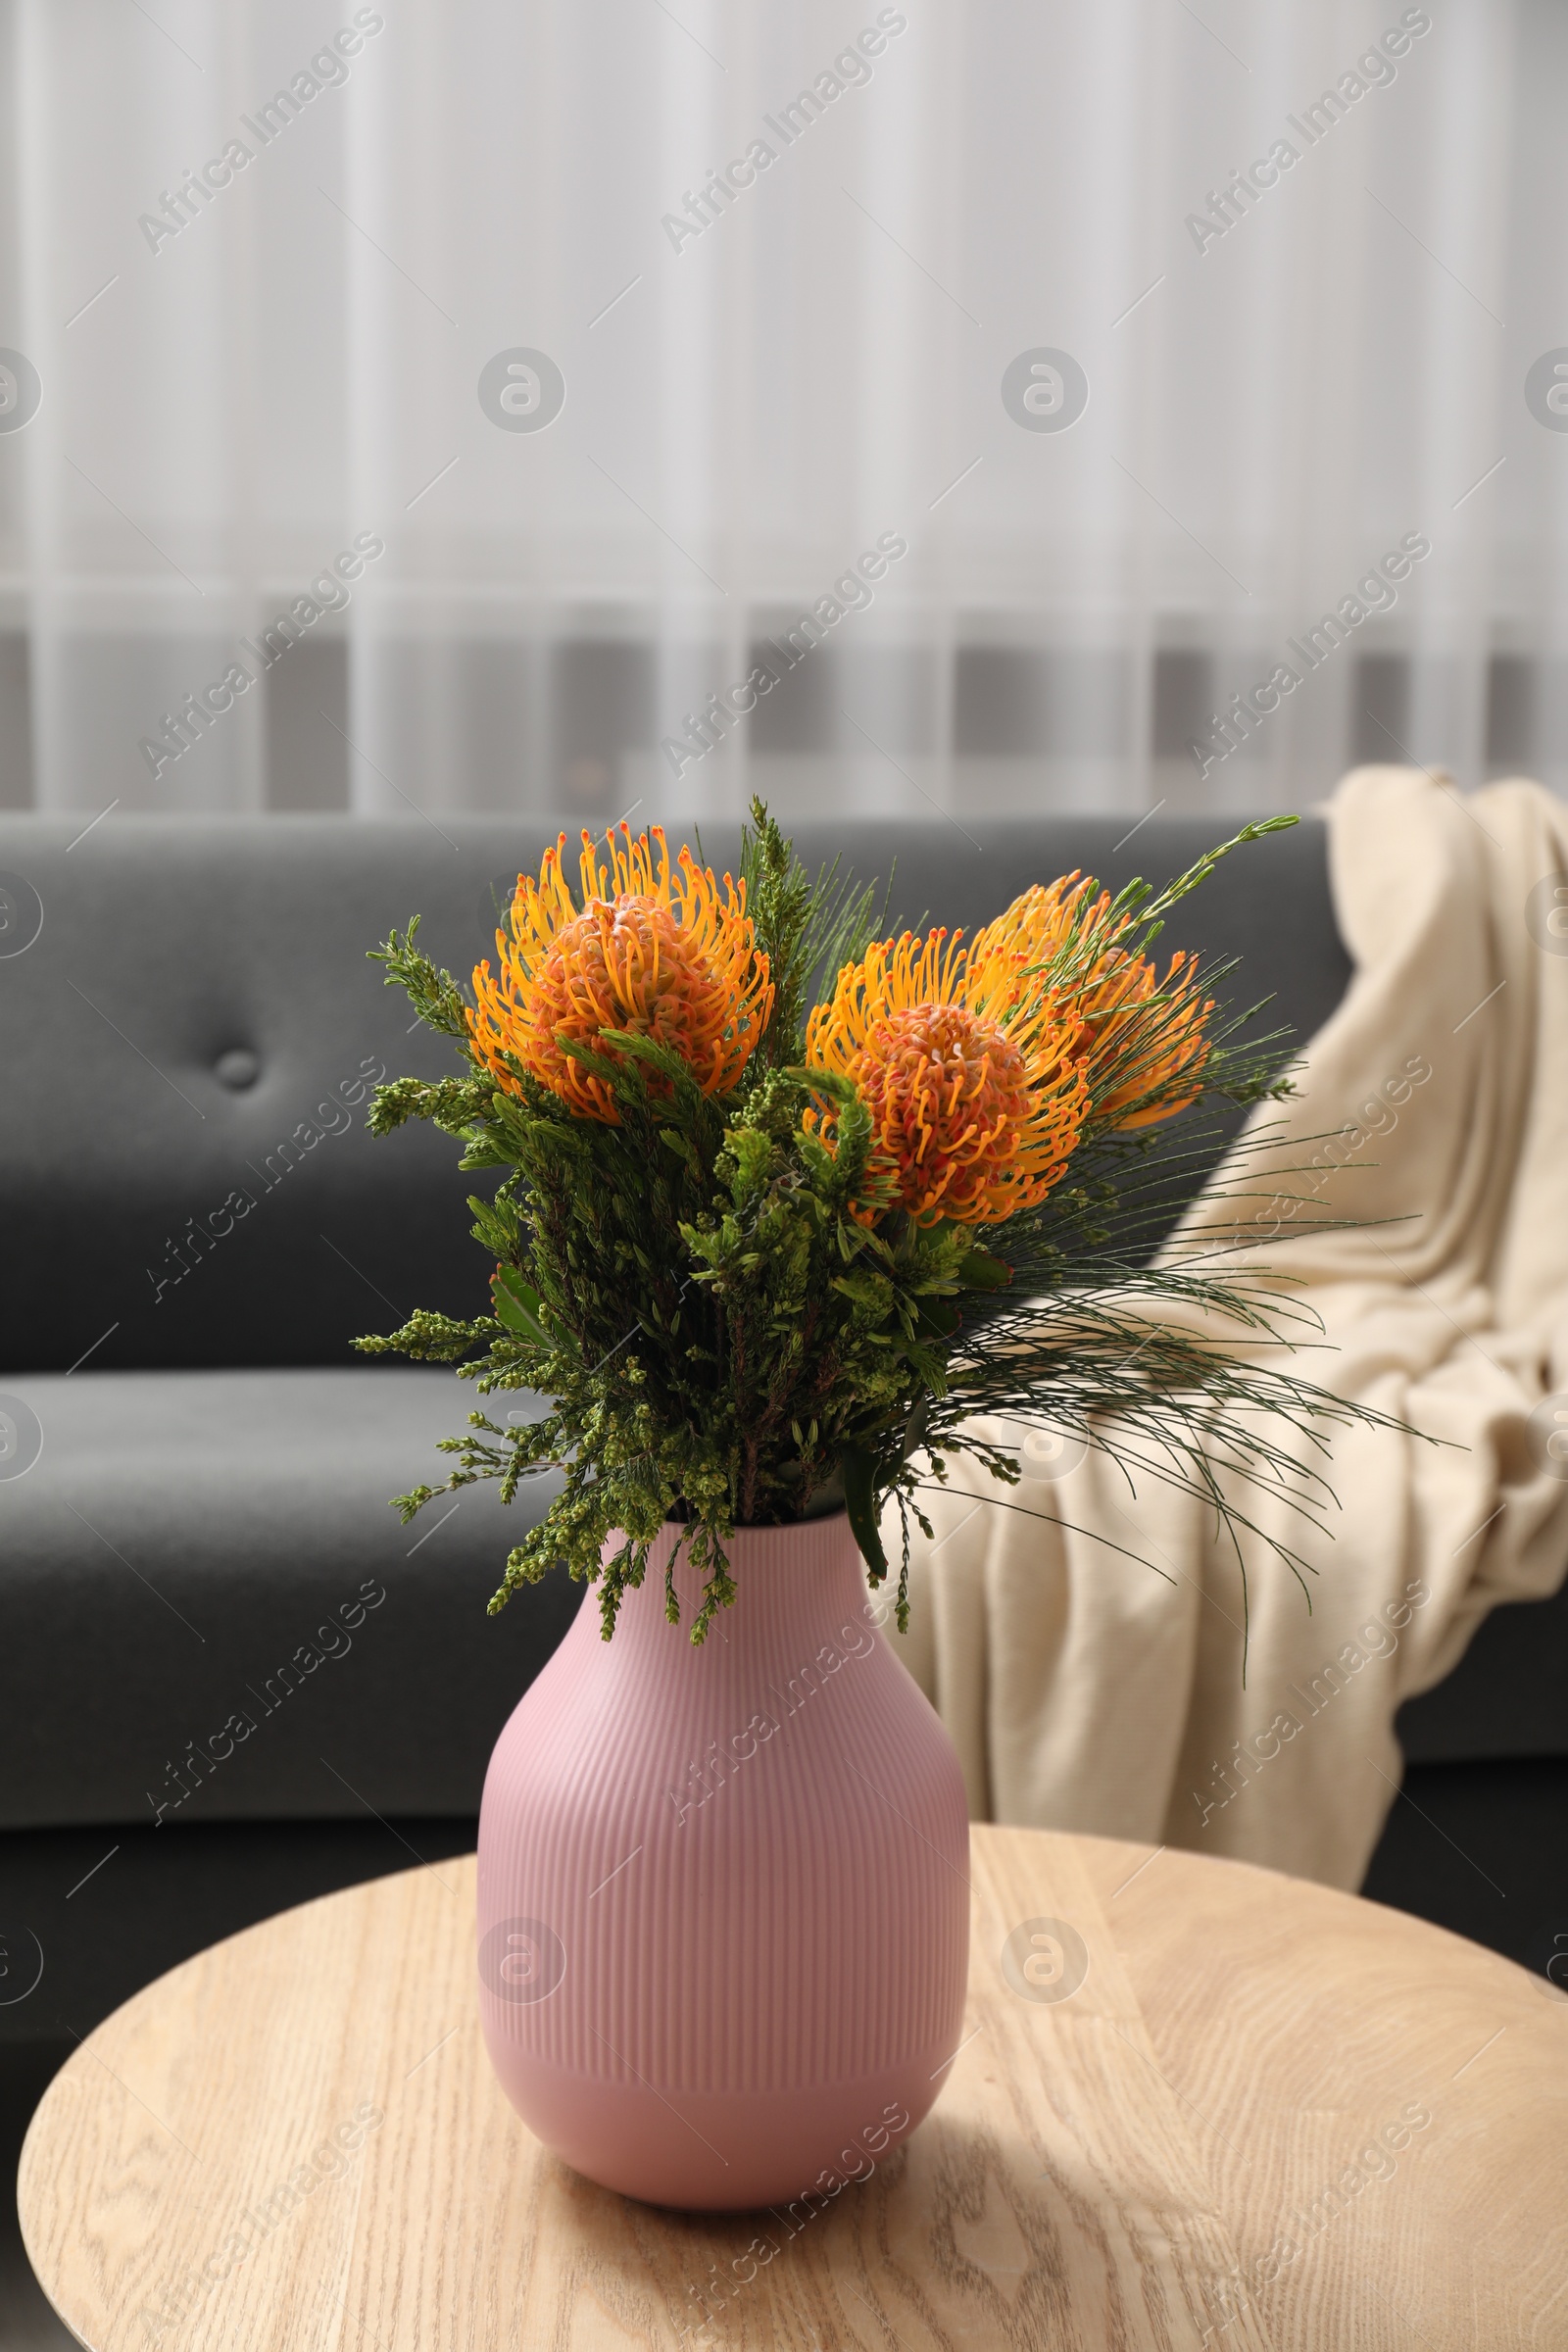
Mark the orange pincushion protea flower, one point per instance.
(1141, 1040)
(664, 956)
(968, 1075)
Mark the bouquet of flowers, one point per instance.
(787, 1207)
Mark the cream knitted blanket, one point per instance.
(1084, 1690)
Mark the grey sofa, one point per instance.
(231, 1678)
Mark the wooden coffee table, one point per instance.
(1267, 2115)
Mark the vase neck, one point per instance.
(797, 1581)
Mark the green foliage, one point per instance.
(732, 1325)
(807, 931)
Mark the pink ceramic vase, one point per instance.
(724, 1891)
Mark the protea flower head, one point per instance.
(1141, 1041)
(655, 952)
(967, 1068)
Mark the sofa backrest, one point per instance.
(188, 1043)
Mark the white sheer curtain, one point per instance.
(226, 401)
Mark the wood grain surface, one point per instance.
(294, 2141)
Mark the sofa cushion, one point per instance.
(212, 1613)
(187, 1045)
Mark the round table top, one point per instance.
(1197, 2105)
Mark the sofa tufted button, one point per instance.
(239, 1069)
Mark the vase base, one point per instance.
(722, 2152)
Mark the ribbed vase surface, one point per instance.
(724, 1891)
